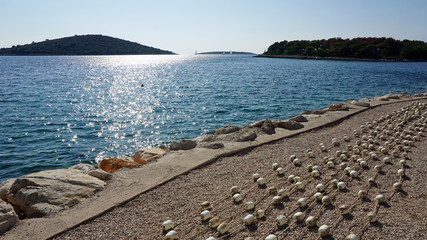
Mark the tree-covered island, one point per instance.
(82, 45)
(386, 49)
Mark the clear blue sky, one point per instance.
(184, 26)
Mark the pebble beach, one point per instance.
(401, 216)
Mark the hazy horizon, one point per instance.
(186, 26)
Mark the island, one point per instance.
(82, 45)
(368, 49)
(227, 52)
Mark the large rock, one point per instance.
(389, 96)
(85, 168)
(93, 171)
(299, 118)
(360, 103)
(290, 125)
(147, 155)
(4, 188)
(100, 174)
(111, 165)
(205, 138)
(226, 130)
(317, 112)
(45, 192)
(184, 144)
(338, 107)
(8, 217)
(211, 145)
(247, 136)
(265, 125)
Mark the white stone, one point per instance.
(249, 206)
(318, 196)
(298, 216)
(260, 213)
(249, 219)
(276, 200)
(205, 215)
(324, 230)
(172, 234)
(168, 225)
(280, 171)
(260, 181)
(341, 185)
(234, 190)
(302, 202)
(300, 185)
(271, 237)
(310, 221)
(281, 220)
(223, 228)
(237, 197)
(351, 236)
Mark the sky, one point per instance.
(184, 26)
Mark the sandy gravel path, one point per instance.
(403, 216)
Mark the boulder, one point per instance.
(127, 158)
(290, 125)
(360, 103)
(226, 130)
(389, 96)
(4, 188)
(265, 125)
(210, 145)
(85, 168)
(335, 106)
(247, 136)
(318, 112)
(365, 100)
(205, 138)
(184, 144)
(111, 165)
(146, 155)
(100, 174)
(45, 192)
(8, 217)
(299, 118)
(404, 95)
(338, 107)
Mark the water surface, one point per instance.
(62, 110)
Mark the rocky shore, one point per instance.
(85, 191)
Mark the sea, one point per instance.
(58, 111)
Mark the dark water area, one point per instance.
(62, 110)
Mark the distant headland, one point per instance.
(226, 52)
(82, 45)
(360, 49)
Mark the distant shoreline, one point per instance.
(340, 58)
(226, 53)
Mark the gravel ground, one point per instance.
(403, 216)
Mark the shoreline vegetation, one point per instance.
(82, 45)
(356, 49)
(63, 188)
(340, 58)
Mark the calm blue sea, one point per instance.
(58, 111)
